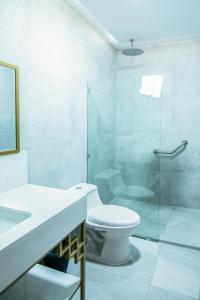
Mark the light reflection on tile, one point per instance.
(177, 269)
(161, 294)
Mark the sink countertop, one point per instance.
(53, 216)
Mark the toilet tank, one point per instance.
(108, 182)
(91, 191)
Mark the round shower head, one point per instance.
(132, 51)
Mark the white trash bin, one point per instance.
(42, 283)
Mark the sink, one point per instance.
(33, 220)
(11, 217)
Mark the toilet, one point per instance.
(108, 228)
(111, 185)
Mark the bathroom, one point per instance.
(128, 124)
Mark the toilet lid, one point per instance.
(113, 215)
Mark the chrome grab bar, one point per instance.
(183, 144)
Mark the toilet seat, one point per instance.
(114, 216)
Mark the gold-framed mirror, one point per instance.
(9, 109)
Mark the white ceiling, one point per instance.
(147, 21)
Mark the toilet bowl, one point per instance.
(109, 228)
(111, 185)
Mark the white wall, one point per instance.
(15, 171)
(57, 53)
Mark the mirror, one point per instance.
(9, 109)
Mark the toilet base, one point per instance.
(115, 251)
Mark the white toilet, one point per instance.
(110, 225)
(111, 185)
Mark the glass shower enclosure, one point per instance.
(122, 134)
(143, 149)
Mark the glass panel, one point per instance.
(101, 138)
(180, 193)
(123, 131)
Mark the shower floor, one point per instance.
(166, 223)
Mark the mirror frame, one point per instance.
(17, 130)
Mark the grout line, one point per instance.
(180, 245)
(168, 242)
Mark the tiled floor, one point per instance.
(182, 226)
(168, 223)
(178, 270)
(158, 272)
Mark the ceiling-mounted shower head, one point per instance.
(132, 51)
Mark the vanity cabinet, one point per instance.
(73, 247)
(53, 220)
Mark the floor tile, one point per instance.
(177, 269)
(130, 282)
(161, 294)
(144, 260)
(183, 227)
(158, 272)
(93, 292)
(117, 286)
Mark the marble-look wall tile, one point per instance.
(185, 189)
(101, 154)
(138, 148)
(57, 52)
(185, 114)
(14, 171)
(187, 81)
(63, 162)
(100, 120)
(165, 183)
(51, 108)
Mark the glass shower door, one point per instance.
(123, 131)
(137, 135)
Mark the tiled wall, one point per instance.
(15, 171)
(144, 123)
(57, 53)
(101, 128)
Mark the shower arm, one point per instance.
(183, 144)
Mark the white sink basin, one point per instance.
(33, 219)
(11, 217)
